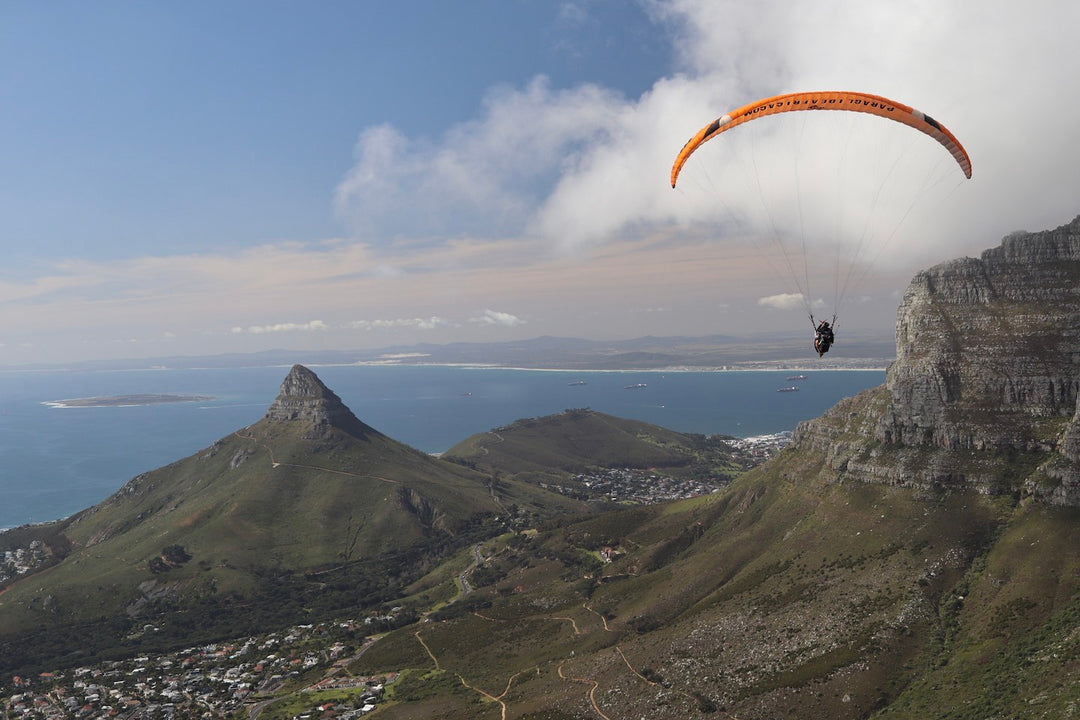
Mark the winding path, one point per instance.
(463, 578)
(509, 683)
(498, 438)
(275, 464)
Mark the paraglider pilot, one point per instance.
(823, 337)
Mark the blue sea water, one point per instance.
(55, 461)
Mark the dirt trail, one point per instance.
(500, 698)
(275, 464)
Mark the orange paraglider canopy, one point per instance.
(850, 101)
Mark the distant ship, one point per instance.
(635, 386)
(793, 388)
(796, 377)
(578, 382)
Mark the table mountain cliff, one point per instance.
(984, 388)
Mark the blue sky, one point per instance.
(172, 127)
(203, 177)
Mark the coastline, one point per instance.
(750, 366)
(59, 462)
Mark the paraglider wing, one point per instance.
(850, 101)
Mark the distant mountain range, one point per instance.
(853, 350)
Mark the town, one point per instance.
(762, 447)
(630, 486)
(22, 560)
(638, 487)
(215, 680)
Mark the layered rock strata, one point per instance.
(986, 378)
(303, 396)
(988, 348)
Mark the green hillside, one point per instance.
(278, 521)
(785, 595)
(577, 441)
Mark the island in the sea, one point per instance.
(126, 400)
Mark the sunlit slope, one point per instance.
(787, 594)
(274, 494)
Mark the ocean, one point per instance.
(55, 461)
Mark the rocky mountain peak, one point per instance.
(304, 397)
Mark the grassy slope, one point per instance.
(1011, 628)
(269, 502)
(786, 595)
(575, 441)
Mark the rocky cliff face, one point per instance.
(987, 376)
(988, 348)
(303, 397)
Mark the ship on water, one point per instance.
(796, 377)
(793, 388)
(577, 382)
(635, 386)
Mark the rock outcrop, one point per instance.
(303, 397)
(988, 348)
(986, 376)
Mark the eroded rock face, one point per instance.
(986, 381)
(1063, 473)
(303, 397)
(987, 350)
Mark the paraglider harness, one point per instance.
(823, 334)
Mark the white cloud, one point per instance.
(783, 301)
(584, 166)
(429, 323)
(313, 325)
(491, 317)
(482, 178)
